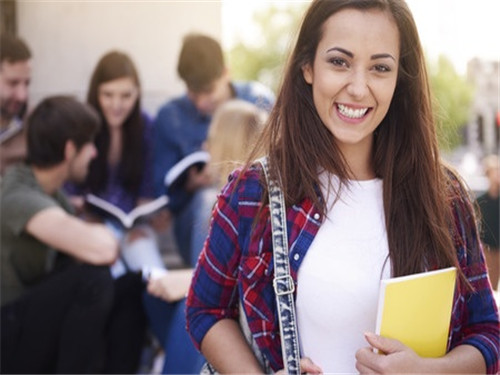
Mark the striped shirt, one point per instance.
(236, 265)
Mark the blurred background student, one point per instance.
(232, 133)
(121, 174)
(181, 127)
(489, 205)
(15, 77)
(56, 289)
(233, 130)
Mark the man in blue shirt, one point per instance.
(181, 128)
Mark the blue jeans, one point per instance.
(191, 224)
(168, 323)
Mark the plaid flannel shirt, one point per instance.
(236, 264)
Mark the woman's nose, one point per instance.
(358, 85)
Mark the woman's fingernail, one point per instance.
(371, 335)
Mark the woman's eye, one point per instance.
(382, 68)
(337, 61)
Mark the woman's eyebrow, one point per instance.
(341, 50)
(351, 55)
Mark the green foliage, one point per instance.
(265, 58)
(452, 102)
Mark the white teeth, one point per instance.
(351, 113)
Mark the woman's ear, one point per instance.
(307, 72)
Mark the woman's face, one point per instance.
(354, 75)
(117, 98)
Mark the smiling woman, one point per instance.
(117, 99)
(353, 78)
(440, 26)
(121, 175)
(351, 143)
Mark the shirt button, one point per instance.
(296, 257)
(316, 216)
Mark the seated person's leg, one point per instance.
(125, 331)
(183, 225)
(168, 323)
(62, 320)
(140, 249)
(204, 201)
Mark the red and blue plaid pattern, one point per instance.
(236, 264)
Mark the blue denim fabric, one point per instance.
(191, 225)
(168, 323)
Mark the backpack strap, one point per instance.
(283, 283)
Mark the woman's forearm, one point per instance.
(226, 349)
(464, 359)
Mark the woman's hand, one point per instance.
(306, 367)
(395, 357)
(171, 287)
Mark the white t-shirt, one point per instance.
(338, 281)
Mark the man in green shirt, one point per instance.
(56, 290)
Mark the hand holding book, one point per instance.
(182, 172)
(416, 310)
(397, 359)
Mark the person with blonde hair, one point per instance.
(232, 133)
(181, 127)
(489, 206)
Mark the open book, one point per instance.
(127, 219)
(177, 176)
(416, 310)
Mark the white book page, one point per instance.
(128, 219)
(183, 164)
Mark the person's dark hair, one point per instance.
(13, 49)
(201, 61)
(52, 123)
(405, 151)
(111, 66)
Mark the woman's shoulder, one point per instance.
(245, 183)
(461, 202)
(457, 188)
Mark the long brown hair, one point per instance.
(405, 153)
(111, 66)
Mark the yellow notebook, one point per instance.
(416, 310)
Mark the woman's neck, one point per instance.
(115, 147)
(360, 162)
